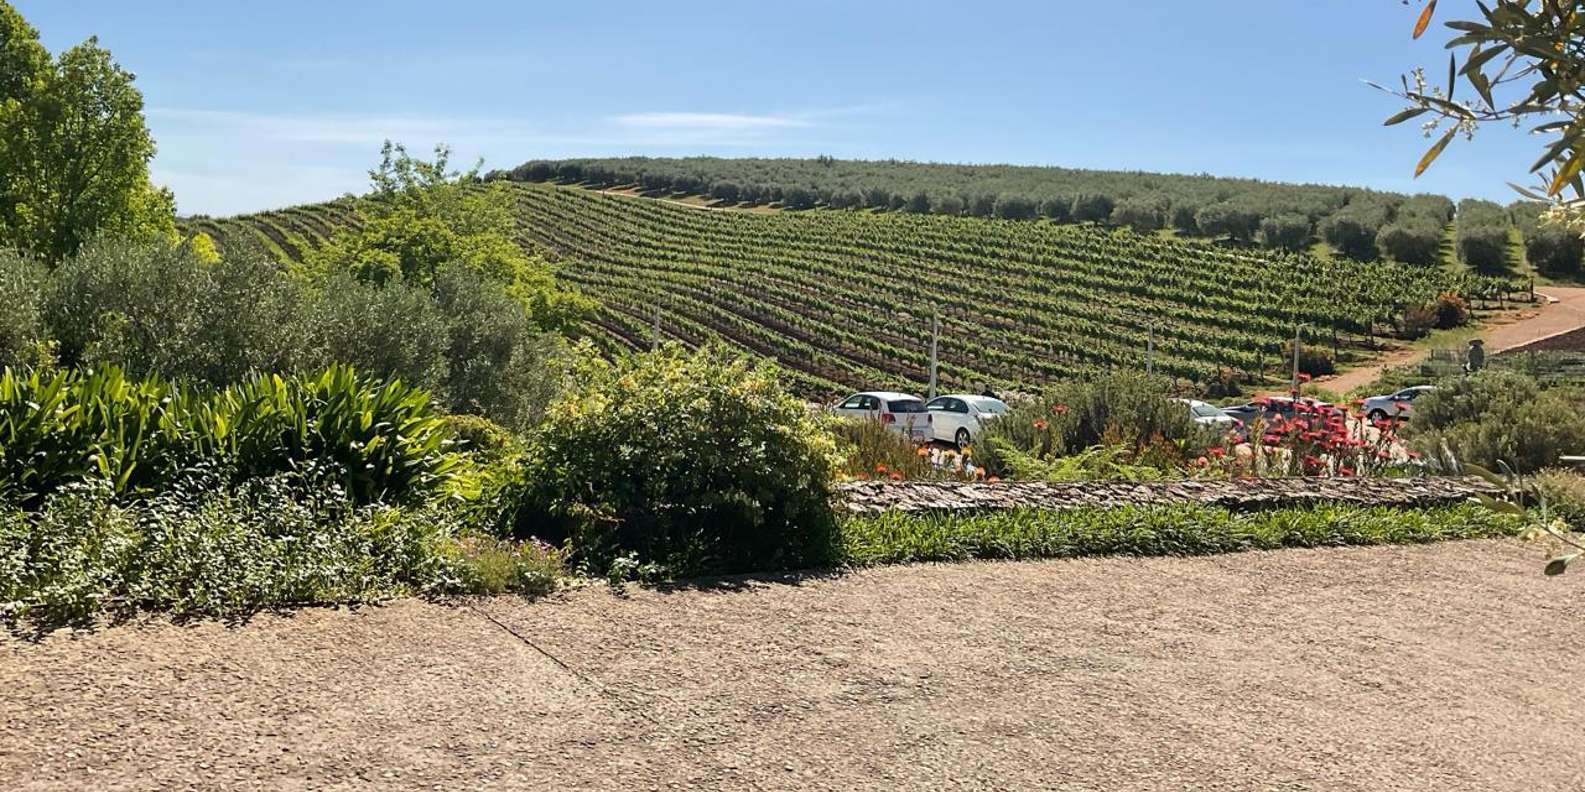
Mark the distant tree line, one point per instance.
(1363, 224)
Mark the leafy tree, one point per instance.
(919, 203)
(1091, 208)
(74, 149)
(1183, 214)
(1057, 208)
(1411, 240)
(1285, 232)
(1142, 213)
(947, 205)
(1228, 219)
(1012, 207)
(422, 218)
(1352, 230)
(798, 198)
(982, 205)
(1482, 238)
(1525, 63)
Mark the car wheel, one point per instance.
(1378, 415)
(963, 438)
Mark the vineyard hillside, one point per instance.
(846, 299)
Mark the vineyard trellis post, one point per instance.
(654, 339)
(1296, 342)
(1150, 350)
(935, 345)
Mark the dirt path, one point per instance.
(1568, 313)
(1425, 668)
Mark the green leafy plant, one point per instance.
(142, 436)
(698, 462)
(1181, 529)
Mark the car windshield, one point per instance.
(906, 406)
(990, 406)
(1204, 411)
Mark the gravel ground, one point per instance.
(1424, 668)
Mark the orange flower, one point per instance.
(897, 476)
(923, 451)
(1040, 423)
(880, 468)
(993, 480)
(1059, 409)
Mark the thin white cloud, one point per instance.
(710, 121)
(337, 128)
(227, 161)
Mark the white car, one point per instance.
(959, 417)
(1209, 415)
(901, 412)
(1398, 405)
(1213, 419)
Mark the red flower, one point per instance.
(1304, 377)
(1218, 453)
(1383, 455)
(1415, 454)
(897, 476)
(993, 480)
(1345, 470)
(1059, 409)
(1202, 462)
(1040, 423)
(880, 468)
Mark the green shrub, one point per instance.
(388, 331)
(868, 449)
(231, 553)
(72, 426)
(694, 463)
(1181, 529)
(1313, 360)
(1116, 408)
(155, 309)
(24, 338)
(1498, 416)
(1564, 491)
(499, 363)
(144, 436)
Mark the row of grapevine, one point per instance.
(844, 299)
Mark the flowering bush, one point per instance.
(674, 463)
(1123, 409)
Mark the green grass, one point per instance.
(1180, 530)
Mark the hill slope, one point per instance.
(844, 299)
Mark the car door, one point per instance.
(943, 421)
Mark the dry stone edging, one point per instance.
(872, 497)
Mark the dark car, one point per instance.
(1269, 408)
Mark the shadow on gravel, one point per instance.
(746, 582)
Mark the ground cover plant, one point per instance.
(1021, 304)
(1151, 530)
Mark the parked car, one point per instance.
(900, 412)
(960, 417)
(1399, 405)
(1213, 418)
(1268, 409)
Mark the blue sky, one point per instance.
(260, 105)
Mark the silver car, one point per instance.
(1398, 405)
(901, 412)
(959, 418)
